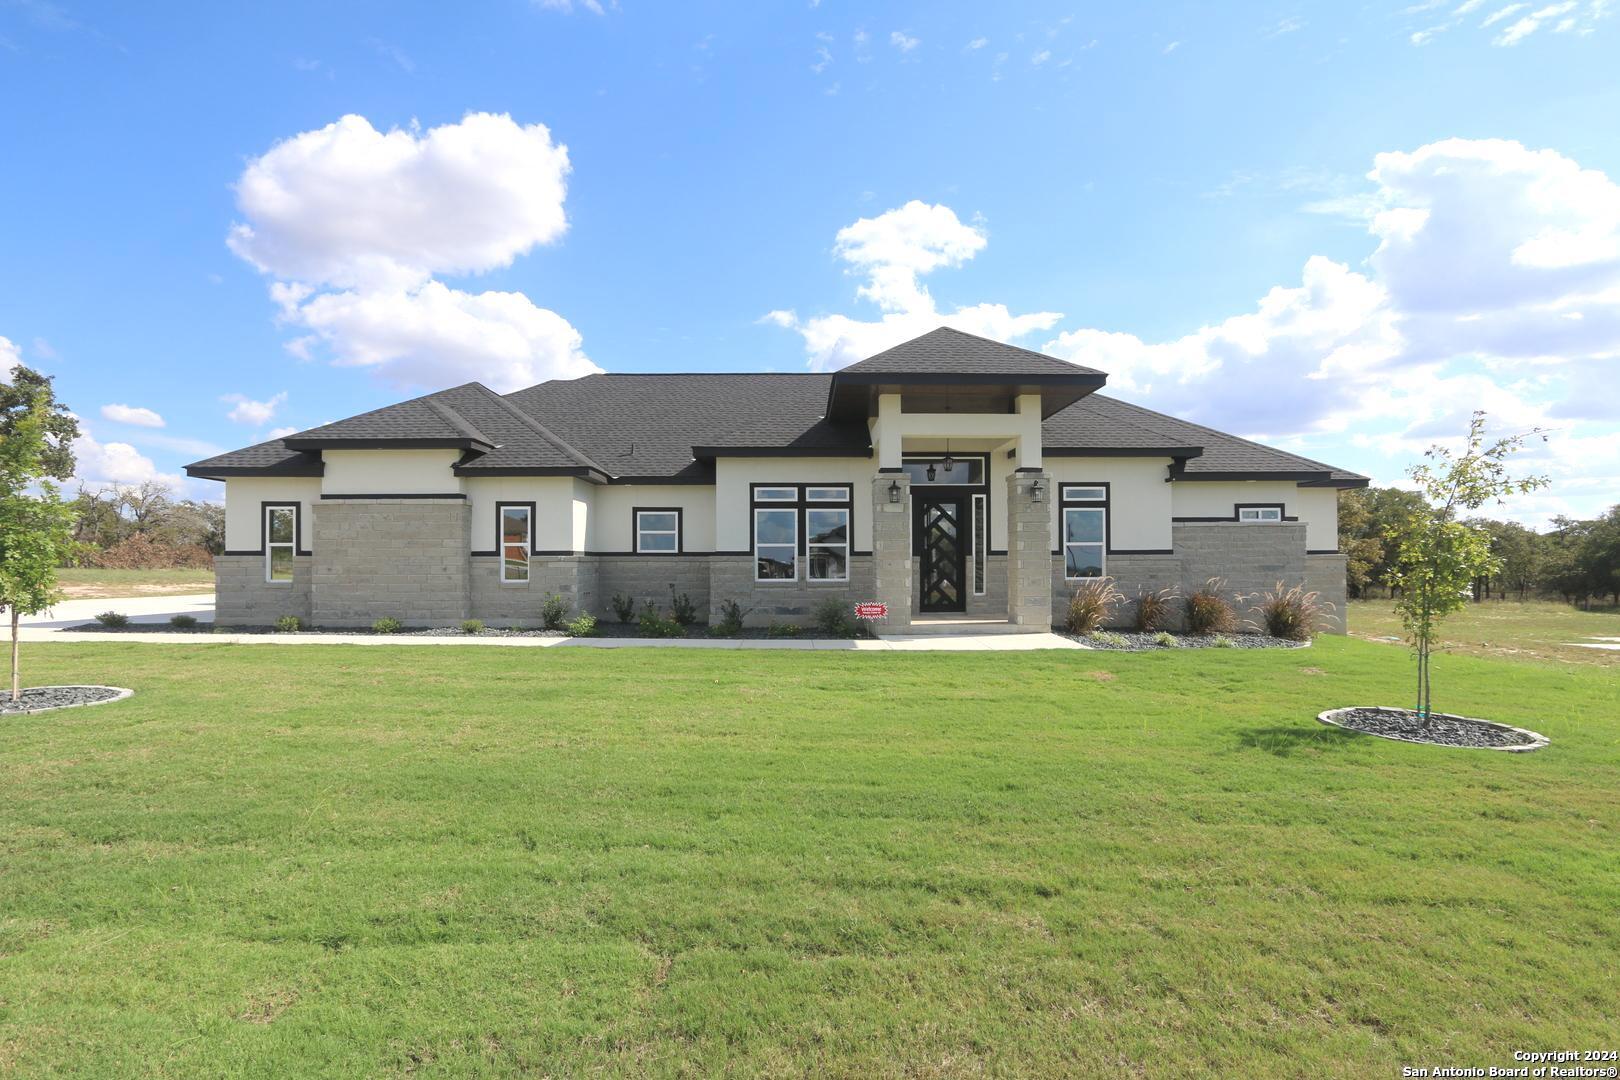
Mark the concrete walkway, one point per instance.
(156, 610)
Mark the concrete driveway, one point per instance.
(140, 609)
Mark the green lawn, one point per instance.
(343, 861)
(87, 582)
(1504, 629)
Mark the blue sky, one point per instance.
(1178, 193)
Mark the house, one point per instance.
(949, 474)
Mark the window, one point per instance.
(776, 494)
(1085, 530)
(517, 532)
(280, 542)
(1249, 514)
(981, 542)
(776, 544)
(658, 532)
(826, 494)
(963, 472)
(827, 544)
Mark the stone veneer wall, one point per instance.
(1326, 574)
(1029, 551)
(732, 578)
(651, 577)
(893, 568)
(502, 603)
(405, 558)
(243, 598)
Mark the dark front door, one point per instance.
(942, 552)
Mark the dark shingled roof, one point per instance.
(670, 427)
(946, 352)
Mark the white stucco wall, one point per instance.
(612, 508)
(1318, 508)
(1139, 500)
(390, 472)
(733, 475)
(244, 496)
(554, 509)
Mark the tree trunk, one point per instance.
(16, 673)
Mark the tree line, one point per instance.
(1575, 560)
(144, 527)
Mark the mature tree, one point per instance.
(36, 527)
(1439, 558)
(1361, 542)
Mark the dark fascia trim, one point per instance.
(1026, 469)
(1323, 551)
(438, 443)
(566, 552)
(331, 496)
(1180, 453)
(244, 554)
(577, 471)
(1343, 485)
(1178, 473)
(781, 451)
(225, 472)
(893, 470)
(680, 528)
(953, 378)
(1141, 551)
(1234, 516)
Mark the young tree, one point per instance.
(36, 527)
(1439, 558)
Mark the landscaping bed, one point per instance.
(40, 698)
(1440, 729)
(204, 628)
(1134, 641)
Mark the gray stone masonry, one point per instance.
(505, 603)
(404, 558)
(1029, 551)
(1133, 575)
(731, 577)
(651, 577)
(891, 569)
(1326, 574)
(243, 598)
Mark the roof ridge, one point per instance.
(456, 420)
(544, 432)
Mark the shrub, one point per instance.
(289, 624)
(781, 630)
(1153, 610)
(681, 608)
(471, 626)
(1292, 614)
(554, 611)
(1223, 642)
(184, 622)
(1109, 638)
(731, 620)
(655, 625)
(624, 607)
(1091, 606)
(113, 620)
(1208, 612)
(581, 626)
(1165, 638)
(145, 552)
(834, 619)
(386, 625)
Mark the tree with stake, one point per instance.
(36, 529)
(1438, 558)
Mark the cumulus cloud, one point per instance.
(244, 410)
(98, 464)
(356, 226)
(892, 251)
(10, 354)
(131, 414)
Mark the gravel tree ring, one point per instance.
(44, 698)
(1442, 729)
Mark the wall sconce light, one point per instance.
(894, 491)
(1035, 491)
(931, 473)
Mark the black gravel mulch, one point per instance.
(1135, 642)
(1441, 729)
(39, 698)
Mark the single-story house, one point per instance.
(949, 474)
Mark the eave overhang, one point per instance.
(853, 394)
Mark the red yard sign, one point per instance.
(871, 610)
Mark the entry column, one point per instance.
(1029, 549)
(891, 545)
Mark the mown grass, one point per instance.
(1504, 629)
(90, 582)
(341, 861)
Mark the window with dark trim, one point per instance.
(1085, 530)
(1249, 515)
(658, 530)
(981, 541)
(280, 541)
(801, 523)
(516, 521)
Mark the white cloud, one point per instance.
(281, 432)
(10, 355)
(98, 464)
(892, 251)
(567, 6)
(244, 410)
(978, 43)
(1172, 47)
(131, 414)
(1502, 13)
(904, 42)
(437, 336)
(350, 206)
(1041, 57)
(1532, 22)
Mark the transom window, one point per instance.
(517, 540)
(1085, 530)
(658, 532)
(805, 524)
(936, 472)
(1249, 514)
(280, 542)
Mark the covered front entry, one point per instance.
(940, 529)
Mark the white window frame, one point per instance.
(528, 541)
(1101, 545)
(826, 493)
(1077, 493)
(271, 546)
(1256, 515)
(675, 532)
(793, 514)
(811, 545)
(792, 496)
(981, 555)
